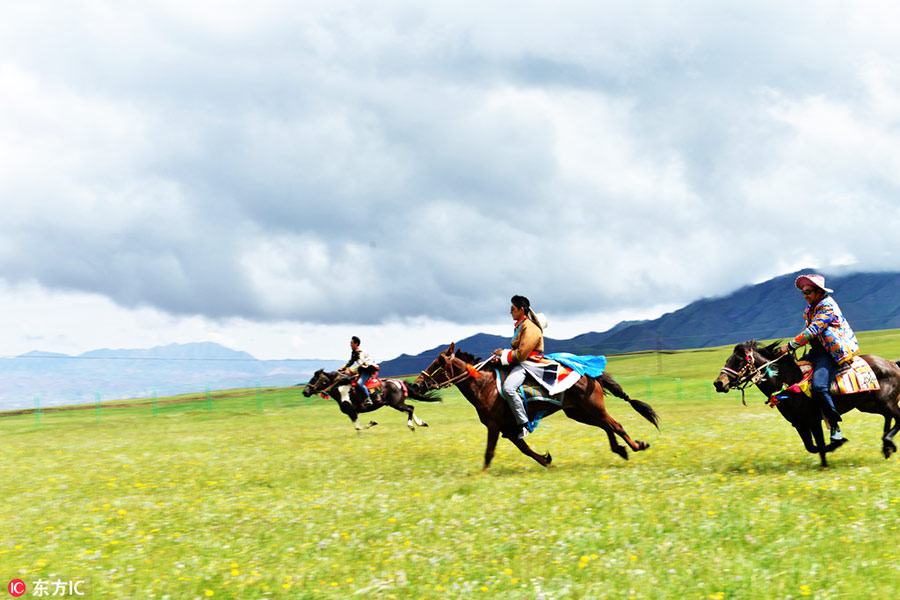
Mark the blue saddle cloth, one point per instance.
(592, 366)
(530, 391)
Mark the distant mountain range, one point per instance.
(56, 379)
(768, 310)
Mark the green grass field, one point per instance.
(268, 495)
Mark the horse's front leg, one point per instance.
(888, 446)
(816, 427)
(807, 433)
(542, 459)
(418, 421)
(359, 426)
(405, 408)
(493, 435)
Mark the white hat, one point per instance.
(813, 280)
(539, 318)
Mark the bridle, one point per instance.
(749, 374)
(452, 379)
(324, 391)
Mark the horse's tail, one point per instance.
(612, 386)
(421, 392)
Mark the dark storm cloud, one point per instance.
(370, 161)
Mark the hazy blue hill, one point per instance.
(56, 379)
(192, 351)
(768, 310)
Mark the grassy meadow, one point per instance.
(264, 494)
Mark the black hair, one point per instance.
(355, 340)
(520, 302)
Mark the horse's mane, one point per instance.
(769, 351)
(466, 357)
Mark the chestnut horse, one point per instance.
(751, 363)
(583, 402)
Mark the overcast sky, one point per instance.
(278, 176)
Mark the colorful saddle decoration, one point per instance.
(854, 377)
(551, 377)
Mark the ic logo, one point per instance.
(16, 588)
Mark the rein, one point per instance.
(452, 379)
(324, 392)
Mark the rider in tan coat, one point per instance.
(527, 344)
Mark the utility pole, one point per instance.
(658, 355)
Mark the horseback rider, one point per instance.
(832, 343)
(527, 343)
(367, 368)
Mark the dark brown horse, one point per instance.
(583, 402)
(751, 363)
(349, 399)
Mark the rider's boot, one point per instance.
(836, 435)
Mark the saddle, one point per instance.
(376, 389)
(530, 390)
(854, 377)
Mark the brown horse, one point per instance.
(583, 402)
(751, 363)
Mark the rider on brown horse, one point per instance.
(526, 357)
(527, 344)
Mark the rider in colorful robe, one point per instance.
(832, 343)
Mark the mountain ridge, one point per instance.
(767, 310)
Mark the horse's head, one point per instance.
(318, 382)
(437, 374)
(450, 366)
(742, 368)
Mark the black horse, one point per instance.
(349, 398)
(764, 366)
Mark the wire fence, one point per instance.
(261, 400)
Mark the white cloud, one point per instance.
(221, 169)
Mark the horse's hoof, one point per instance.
(424, 425)
(643, 445)
(835, 444)
(548, 459)
(621, 451)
